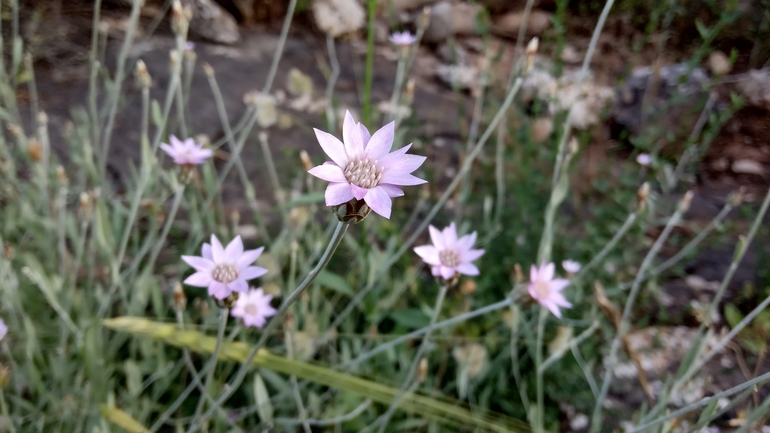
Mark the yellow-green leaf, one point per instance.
(122, 419)
(445, 410)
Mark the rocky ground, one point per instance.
(238, 41)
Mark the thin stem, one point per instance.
(280, 195)
(624, 321)
(334, 242)
(572, 344)
(395, 96)
(416, 363)
(331, 120)
(586, 370)
(281, 43)
(371, 6)
(223, 314)
(4, 411)
(295, 386)
(540, 416)
(332, 421)
(167, 226)
(610, 245)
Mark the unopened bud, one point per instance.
(422, 370)
(42, 118)
(573, 146)
(686, 201)
(61, 175)
(180, 18)
(173, 57)
(307, 164)
(8, 252)
(409, 92)
(180, 300)
(208, 70)
(424, 18)
(235, 217)
(15, 130)
(641, 197)
(34, 150)
(5, 376)
(468, 287)
(531, 51)
(518, 274)
(736, 198)
(250, 98)
(142, 75)
(85, 205)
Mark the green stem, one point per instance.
(334, 242)
(223, 314)
(371, 6)
(4, 409)
(540, 415)
(167, 226)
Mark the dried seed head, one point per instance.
(85, 205)
(518, 274)
(531, 51)
(686, 201)
(573, 147)
(307, 164)
(34, 150)
(468, 287)
(180, 18)
(180, 300)
(142, 75)
(5, 376)
(250, 98)
(42, 118)
(422, 371)
(641, 197)
(208, 70)
(61, 176)
(422, 24)
(8, 252)
(15, 130)
(409, 93)
(736, 198)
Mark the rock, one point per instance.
(461, 76)
(570, 55)
(542, 128)
(748, 166)
(211, 22)
(440, 26)
(405, 5)
(629, 98)
(452, 53)
(465, 17)
(510, 23)
(719, 63)
(337, 17)
(755, 87)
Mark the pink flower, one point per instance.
(449, 255)
(571, 266)
(644, 159)
(254, 308)
(186, 152)
(364, 168)
(224, 270)
(546, 290)
(3, 329)
(402, 38)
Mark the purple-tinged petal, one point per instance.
(466, 242)
(436, 237)
(358, 192)
(199, 279)
(392, 190)
(338, 193)
(206, 251)
(168, 149)
(199, 263)
(554, 309)
(234, 250)
(534, 274)
(240, 285)
(217, 252)
(378, 199)
(436, 271)
(351, 136)
(429, 254)
(450, 236)
(248, 258)
(547, 271)
(381, 142)
(471, 255)
(254, 321)
(365, 135)
(560, 300)
(447, 272)
(558, 285)
(393, 156)
(253, 272)
(468, 269)
(175, 142)
(403, 179)
(328, 172)
(219, 290)
(403, 164)
(333, 147)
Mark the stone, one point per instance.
(719, 63)
(338, 17)
(755, 87)
(440, 26)
(509, 24)
(405, 5)
(465, 17)
(571, 55)
(461, 76)
(748, 166)
(212, 23)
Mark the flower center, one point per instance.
(224, 273)
(449, 258)
(363, 173)
(251, 310)
(542, 289)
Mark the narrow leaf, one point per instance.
(122, 419)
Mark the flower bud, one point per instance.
(142, 75)
(15, 130)
(180, 18)
(42, 118)
(573, 147)
(424, 18)
(422, 370)
(180, 300)
(736, 198)
(686, 201)
(208, 70)
(61, 175)
(531, 51)
(641, 197)
(352, 212)
(5, 376)
(307, 164)
(34, 150)
(85, 206)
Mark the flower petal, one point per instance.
(217, 252)
(392, 190)
(206, 251)
(436, 271)
(332, 146)
(253, 272)
(554, 309)
(381, 141)
(365, 135)
(219, 290)
(436, 237)
(558, 285)
(547, 271)
(199, 279)
(199, 263)
(351, 136)
(248, 257)
(240, 285)
(429, 254)
(468, 269)
(328, 172)
(560, 300)
(447, 272)
(466, 242)
(175, 142)
(534, 274)
(378, 199)
(338, 193)
(395, 178)
(403, 163)
(168, 149)
(471, 255)
(358, 192)
(234, 249)
(450, 236)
